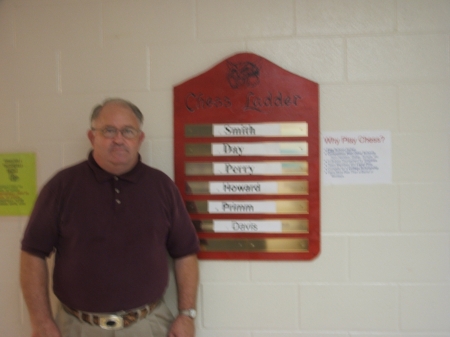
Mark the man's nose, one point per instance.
(118, 137)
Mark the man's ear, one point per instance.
(141, 136)
(91, 136)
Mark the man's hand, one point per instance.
(182, 326)
(48, 329)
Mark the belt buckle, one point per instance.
(110, 322)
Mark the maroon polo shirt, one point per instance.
(111, 235)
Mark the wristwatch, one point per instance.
(192, 313)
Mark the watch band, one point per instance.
(192, 313)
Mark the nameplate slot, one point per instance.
(253, 226)
(247, 149)
(288, 187)
(247, 168)
(269, 245)
(247, 130)
(249, 207)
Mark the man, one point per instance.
(111, 221)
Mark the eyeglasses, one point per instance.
(110, 132)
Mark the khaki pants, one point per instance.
(154, 325)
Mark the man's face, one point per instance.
(116, 155)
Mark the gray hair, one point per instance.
(122, 102)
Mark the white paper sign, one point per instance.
(359, 157)
(241, 206)
(247, 226)
(260, 149)
(243, 187)
(247, 168)
(260, 129)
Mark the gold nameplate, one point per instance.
(269, 245)
(293, 187)
(198, 130)
(247, 168)
(252, 226)
(247, 130)
(198, 149)
(248, 206)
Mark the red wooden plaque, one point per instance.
(247, 160)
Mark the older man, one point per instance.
(112, 221)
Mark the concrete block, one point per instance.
(225, 271)
(250, 306)
(110, 69)
(327, 17)
(358, 107)
(425, 207)
(423, 15)
(360, 209)
(173, 64)
(424, 107)
(9, 126)
(10, 315)
(399, 258)
(425, 307)
(398, 58)
(49, 160)
(148, 22)
(10, 238)
(35, 73)
(319, 60)
(419, 158)
(331, 265)
(349, 307)
(162, 156)
(58, 25)
(237, 19)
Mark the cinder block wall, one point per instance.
(381, 65)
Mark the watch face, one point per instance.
(189, 312)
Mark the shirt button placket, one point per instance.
(118, 202)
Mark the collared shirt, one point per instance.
(111, 235)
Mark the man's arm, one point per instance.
(34, 283)
(186, 276)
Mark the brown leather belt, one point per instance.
(113, 321)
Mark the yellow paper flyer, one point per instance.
(17, 183)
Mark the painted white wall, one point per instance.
(381, 65)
